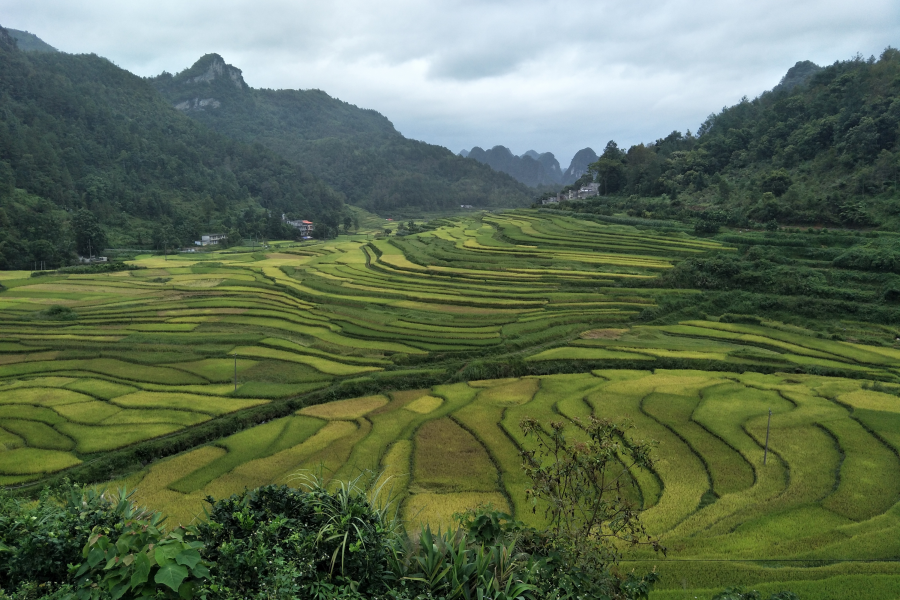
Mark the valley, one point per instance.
(416, 356)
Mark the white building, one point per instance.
(305, 227)
(210, 239)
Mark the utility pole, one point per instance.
(235, 372)
(768, 425)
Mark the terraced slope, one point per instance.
(203, 374)
(827, 491)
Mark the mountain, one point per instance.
(357, 151)
(821, 148)
(531, 168)
(579, 165)
(28, 42)
(799, 74)
(80, 137)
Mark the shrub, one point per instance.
(38, 542)
(277, 540)
(143, 562)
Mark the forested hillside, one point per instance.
(820, 149)
(355, 150)
(83, 141)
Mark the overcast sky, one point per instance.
(527, 74)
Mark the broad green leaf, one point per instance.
(141, 570)
(171, 575)
(200, 571)
(160, 555)
(94, 557)
(119, 590)
(186, 590)
(188, 558)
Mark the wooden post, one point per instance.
(768, 425)
(235, 374)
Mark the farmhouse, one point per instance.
(210, 239)
(305, 227)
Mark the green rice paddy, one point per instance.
(255, 343)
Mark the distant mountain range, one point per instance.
(356, 151)
(531, 168)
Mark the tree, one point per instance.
(777, 182)
(89, 236)
(583, 483)
(610, 169)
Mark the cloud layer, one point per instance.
(552, 76)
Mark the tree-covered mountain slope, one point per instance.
(78, 132)
(819, 149)
(29, 42)
(357, 151)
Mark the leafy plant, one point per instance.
(39, 540)
(582, 484)
(275, 537)
(143, 562)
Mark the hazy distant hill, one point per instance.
(531, 168)
(357, 151)
(78, 132)
(30, 42)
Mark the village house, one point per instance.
(305, 227)
(588, 190)
(210, 239)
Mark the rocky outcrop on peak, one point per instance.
(217, 68)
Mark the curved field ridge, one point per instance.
(194, 342)
(829, 487)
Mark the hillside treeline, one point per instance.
(79, 133)
(357, 151)
(822, 150)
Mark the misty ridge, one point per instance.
(533, 169)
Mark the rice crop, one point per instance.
(437, 510)
(100, 388)
(348, 410)
(87, 412)
(448, 458)
(41, 396)
(31, 413)
(190, 402)
(100, 438)
(216, 369)
(27, 461)
(424, 405)
(138, 416)
(39, 435)
(321, 364)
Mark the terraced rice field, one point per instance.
(828, 490)
(252, 344)
(187, 338)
